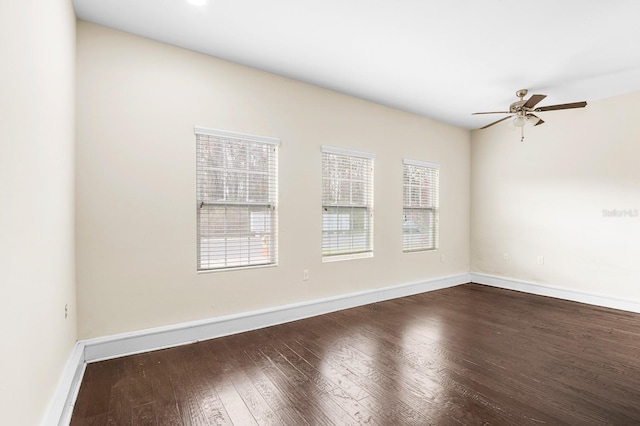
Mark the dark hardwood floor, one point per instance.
(468, 355)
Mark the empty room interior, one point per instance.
(320, 213)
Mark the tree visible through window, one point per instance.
(420, 206)
(347, 202)
(236, 199)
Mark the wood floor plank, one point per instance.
(273, 388)
(119, 411)
(215, 381)
(97, 420)
(348, 387)
(143, 415)
(94, 405)
(237, 347)
(186, 387)
(380, 387)
(470, 354)
(301, 391)
(166, 406)
(350, 405)
(233, 373)
(136, 377)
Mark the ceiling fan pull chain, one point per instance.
(522, 134)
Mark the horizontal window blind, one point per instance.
(347, 202)
(236, 182)
(420, 227)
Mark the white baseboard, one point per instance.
(557, 292)
(179, 334)
(61, 406)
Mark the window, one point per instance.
(236, 189)
(420, 207)
(347, 204)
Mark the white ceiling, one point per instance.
(441, 59)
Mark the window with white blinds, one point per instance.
(420, 207)
(347, 204)
(236, 199)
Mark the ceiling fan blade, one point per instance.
(495, 122)
(539, 120)
(491, 112)
(533, 101)
(561, 106)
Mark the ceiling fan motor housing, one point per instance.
(516, 106)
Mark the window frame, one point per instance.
(367, 204)
(270, 205)
(429, 209)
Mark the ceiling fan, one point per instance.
(523, 110)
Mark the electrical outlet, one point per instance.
(442, 258)
(505, 256)
(305, 275)
(540, 260)
(66, 311)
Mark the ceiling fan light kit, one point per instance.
(523, 110)
(519, 120)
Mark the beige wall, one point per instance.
(37, 40)
(138, 101)
(546, 196)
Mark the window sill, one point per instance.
(420, 250)
(340, 257)
(237, 268)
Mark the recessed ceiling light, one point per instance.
(197, 2)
